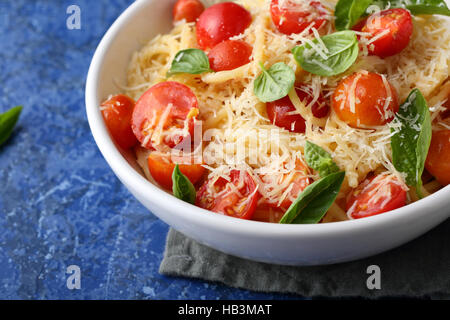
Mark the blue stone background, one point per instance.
(60, 204)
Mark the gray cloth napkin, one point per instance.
(420, 269)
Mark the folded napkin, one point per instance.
(420, 269)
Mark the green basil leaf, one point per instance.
(348, 12)
(342, 48)
(417, 6)
(8, 121)
(314, 202)
(275, 83)
(182, 188)
(193, 61)
(320, 160)
(410, 144)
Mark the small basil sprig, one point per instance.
(314, 202)
(410, 144)
(193, 61)
(275, 83)
(416, 6)
(342, 52)
(8, 121)
(182, 187)
(319, 160)
(348, 12)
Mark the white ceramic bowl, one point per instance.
(272, 243)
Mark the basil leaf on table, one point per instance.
(193, 61)
(342, 52)
(275, 83)
(8, 121)
(411, 143)
(416, 6)
(182, 187)
(319, 160)
(314, 202)
(348, 12)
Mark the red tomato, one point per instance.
(447, 103)
(299, 180)
(279, 111)
(398, 23)
(376, 195)
(161, 169)
(171, 103)
(293, 17)
(221, 197)
(188, 10)
(265, 213)
(117, 113)
(446, 114)
(373, 105)
(220, 22)
(229, 55)
(438, 160)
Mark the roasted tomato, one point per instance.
(293, 17)
(365, 100)
(296, 182)
(377, 194)
(229, 55)
(161, 168)
(188, 10)
(438, 160)
(165, 115)
(280, 112)
(236, 198)
(394, 27)
(220, 22)
(117, 112)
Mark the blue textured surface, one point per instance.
(60, 204)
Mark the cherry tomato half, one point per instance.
(398, 23)
(299, 181)
(280, 111)
(362, 100)
(229, 55)
(161, 168)
(376, 195)
(117, 113)
(446, 114)
(188, 10)
(220, 22)
(265, 213)
(163, 114)
(291, 17)
(438, 160)
(221, 196)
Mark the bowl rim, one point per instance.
(127, 173)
